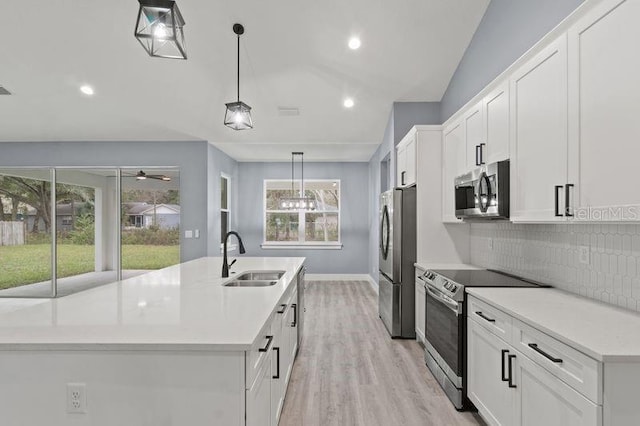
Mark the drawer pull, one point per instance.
(295, 315)
(535, 347)
(511, 384)
(277, 375)
(284, 308)
(484, 317)
(504, 377)
(266, 348)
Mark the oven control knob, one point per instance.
(453, 288)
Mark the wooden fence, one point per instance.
(12, 233)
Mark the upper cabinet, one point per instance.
(539, 136)
(496, 125)
(604, 93)
(406, 160)
(474, 137)
(454, 161)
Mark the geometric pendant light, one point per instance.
(238, 114)
(300, 202)
(159, 29)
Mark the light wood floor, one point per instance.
(350, 372)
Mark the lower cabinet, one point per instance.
(508, 388)
(258, 412)
(486, 374)
(273, 360)
(543, 399)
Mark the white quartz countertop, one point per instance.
(183, 307)
(603, 332)
(425, 266)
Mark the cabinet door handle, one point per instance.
(266, 347)
(402, 178)
(284, 308)
(535, 347)
(567, 200)
(504, 376)
(482, 145)
(277, 376)
(557, 213)
(484, 317)
(511, 384)
(295, 315)
(478, 154)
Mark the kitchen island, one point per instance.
(170, 347)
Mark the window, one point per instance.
(319, 227)
(77, 210)
(225, 204)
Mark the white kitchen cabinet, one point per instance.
(406, 160)
(543, 399)
(511, 388)
(496, 125)
(258, 411)
(486, 371)
(539, 136)
(474, 137)
(453, 165)
(603, 98)
(280, 351)
(293, 326)
(420, 306)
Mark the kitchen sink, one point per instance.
(250, 283)
(260, 276)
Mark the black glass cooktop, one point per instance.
(485, 278)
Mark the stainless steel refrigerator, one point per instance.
(396, 284)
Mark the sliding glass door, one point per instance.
(64, 230)
(26, 228)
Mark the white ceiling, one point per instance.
(294, 54)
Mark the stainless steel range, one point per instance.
(446, 318)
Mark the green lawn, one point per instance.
(31, 263)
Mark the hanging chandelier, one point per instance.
(238, 115)
(301, 202)
(159, 29)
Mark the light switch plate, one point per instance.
(196, 233)
(188, 233)
(583, 254)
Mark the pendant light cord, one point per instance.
(238, 80)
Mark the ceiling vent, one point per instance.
(4, 91)
(288, 111)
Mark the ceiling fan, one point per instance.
(141, 175)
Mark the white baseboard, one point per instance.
(343, 277)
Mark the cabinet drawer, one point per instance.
(571, 366)
(258, 354)
(490, 318)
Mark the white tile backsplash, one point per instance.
(550, 254)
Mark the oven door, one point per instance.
(444, 332)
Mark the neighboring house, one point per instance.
(143, 215)
(64, 216)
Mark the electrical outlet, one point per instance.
(583, 254)
(490, 244)
(76, 398)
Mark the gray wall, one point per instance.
(507, 30)
(192, 158)
(408, 114)
(352, 259)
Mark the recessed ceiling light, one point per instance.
(348, 103)
(354, 43)
(87, 90)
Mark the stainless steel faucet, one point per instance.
(225, 262)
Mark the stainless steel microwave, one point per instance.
(483, 193)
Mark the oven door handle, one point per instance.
(439, 297)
